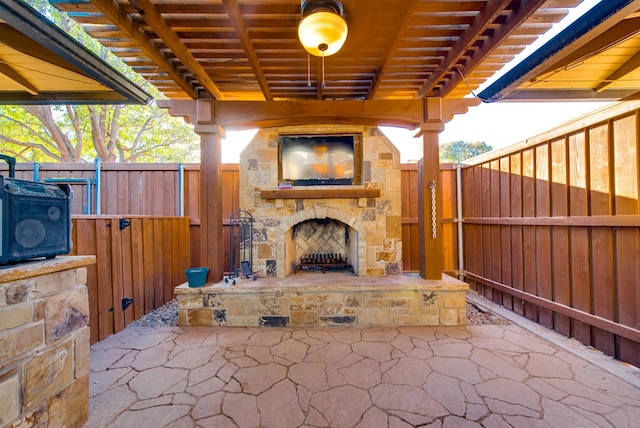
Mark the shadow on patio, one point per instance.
(513, 374)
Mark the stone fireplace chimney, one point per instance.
(360, 221)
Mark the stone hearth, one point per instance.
(335, 298)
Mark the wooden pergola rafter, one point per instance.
(465, 55)
(131, 29)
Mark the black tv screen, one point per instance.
(317, 159)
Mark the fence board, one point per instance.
(409, 198)
(543, 233)
(574, 194)
(84, 242)
(603, 285)
(117, 281)
(148, 248)
(561, 281)
(505, 231)
(529, 233)
(104, 280)
(127, 272)
(627, 240)
(515, 210)
(580, 280)
(137, 268)
(449, 213)
(158, 265)
(485, 204)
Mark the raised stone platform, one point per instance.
(44, 343)
(335, 298)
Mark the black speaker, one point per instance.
(35, 218)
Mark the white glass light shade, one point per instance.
(322, 28)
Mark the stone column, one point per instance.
(430, 245)
(44, 343)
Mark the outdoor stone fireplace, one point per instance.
(361, 221)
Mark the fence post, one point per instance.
(98, 164)
(181, 190)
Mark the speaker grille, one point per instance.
(37, 220)
(40, 225)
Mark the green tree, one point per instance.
(458, 151)
(115, 133)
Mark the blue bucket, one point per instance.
(197, 277)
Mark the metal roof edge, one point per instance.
(598, 14)
(30, 22)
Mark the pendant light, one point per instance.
(322, 24)
(323, 30)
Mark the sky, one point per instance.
(498, 124)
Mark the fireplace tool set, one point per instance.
(240, 246)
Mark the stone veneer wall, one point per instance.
(379, 219)
(44, 343)
(401, 301)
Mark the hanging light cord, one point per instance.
(308, 70)
(323, 47)
(323, 84)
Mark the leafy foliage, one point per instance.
(458, 151)
(117, 133)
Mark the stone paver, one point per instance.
(476, 376)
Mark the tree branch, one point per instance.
(40, 147)
(28, 128)
(60, 139)
(75, 122)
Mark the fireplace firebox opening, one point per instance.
(322, 244)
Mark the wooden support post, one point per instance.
(429, 185)
(211, 243)
(201, 114)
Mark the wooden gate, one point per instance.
(139, 260)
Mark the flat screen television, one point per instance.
(307, 160)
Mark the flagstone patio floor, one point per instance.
(516, 374)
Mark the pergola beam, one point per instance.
(408, 114)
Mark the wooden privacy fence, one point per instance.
(552, 230)
(154, 189)
(131, 189)
(141, 258)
